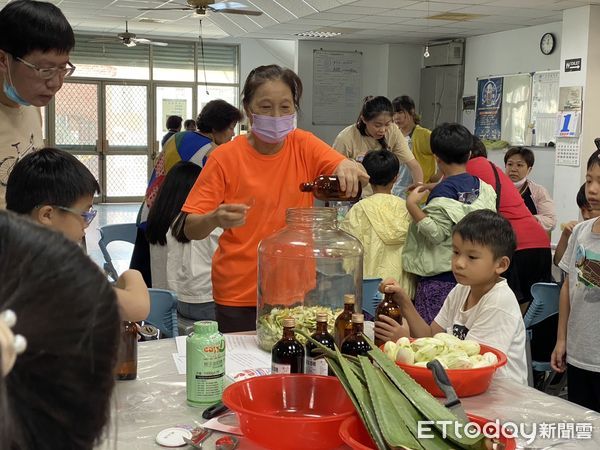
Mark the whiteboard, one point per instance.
(337, 81)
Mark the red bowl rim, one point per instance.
(345, 430)
(502, 360)
(239, 409)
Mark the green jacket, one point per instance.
(428, 248)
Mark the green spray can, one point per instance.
(205, 364)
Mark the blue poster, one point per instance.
(488, 114)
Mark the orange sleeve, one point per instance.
(325, 158)
(208, 191)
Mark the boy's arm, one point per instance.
(132, 296)
(412, 203)
(563, 242)
(558, 358)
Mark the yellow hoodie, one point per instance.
(380, 222)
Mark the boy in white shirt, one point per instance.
(481, 306)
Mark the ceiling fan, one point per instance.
(203, 6)
(130, 39)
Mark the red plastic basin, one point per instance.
(466, 382)
(356, 436)
(290, 412)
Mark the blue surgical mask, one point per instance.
(13, 95)
(11, 92)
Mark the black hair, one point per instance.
(189, 122)
(525, 153)
(490, 229)
(371, 108)
(581, 199)
(261, 74)
(59, 391)
(174, 122)
(217, 115)
(168, 203)
(29, 25)
(478, 148)
(406, 104)
(48, 177)
(451, 142)
(381, 166)
(594, 160)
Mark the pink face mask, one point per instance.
(272, 129)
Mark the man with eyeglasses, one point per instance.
(35, 42)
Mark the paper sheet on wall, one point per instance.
(241, 354)
(337, 78)
(544, 105)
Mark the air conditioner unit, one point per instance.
(445, 54)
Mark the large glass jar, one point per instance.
(303, 269)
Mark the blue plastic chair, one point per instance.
(125, 232)
(370, 296)
(544, 305)
(163, 312)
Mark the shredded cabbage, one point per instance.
(269, 327)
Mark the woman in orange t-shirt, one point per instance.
(248, 183)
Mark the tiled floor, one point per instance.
(110, 213)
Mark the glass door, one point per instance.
(171, 101)
(125, 147)
(105, 125)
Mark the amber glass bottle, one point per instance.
(327, 188)
(388, 307)
(287, 355)
(318, 366)
(355, 344)
(343, 322)
(127, 360)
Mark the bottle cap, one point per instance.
(289, 322)
(322, 317)
(349, 299)
(206, 327)
(358, 318)
(173, 437)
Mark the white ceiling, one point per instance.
(389, 21)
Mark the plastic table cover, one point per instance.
(157, 400)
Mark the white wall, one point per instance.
(507, 52)
(381, 65)
(259, 52)
(404, 71)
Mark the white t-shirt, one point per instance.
(20, 133)
(495, 321)
(582, 262)
(189, 267)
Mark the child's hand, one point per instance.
(559, 356)
(417, 194)
(391, 286)
(387, 329)
(567, 228)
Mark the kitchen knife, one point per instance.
(441, 379)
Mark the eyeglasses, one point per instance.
(88, 216)
(50, 72)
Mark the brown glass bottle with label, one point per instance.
(388, 307)
(126, 368)
(343, 322)
(287, 355)
(356, 344)
(327, 188)
(315, 365)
